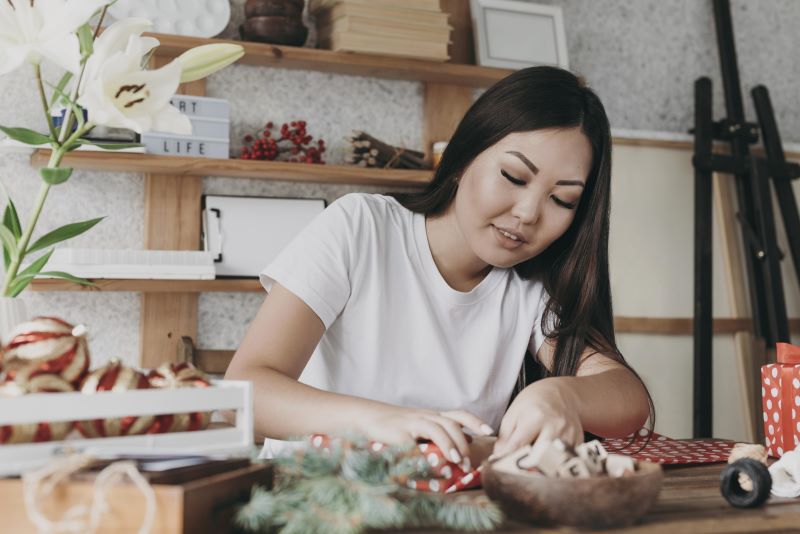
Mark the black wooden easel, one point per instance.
(752, 177)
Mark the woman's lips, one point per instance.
(504, 241)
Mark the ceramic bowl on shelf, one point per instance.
(196, 18)
(595, 502)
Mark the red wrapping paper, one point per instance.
(668, 451)
(449, 477)
(780, 400)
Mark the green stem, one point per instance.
(66, 126)
(67, 146)
(63, 145)
(37, 68)
(55, 160)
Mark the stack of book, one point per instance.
(210, 135)
(406, 28)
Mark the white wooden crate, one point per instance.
(234, 395)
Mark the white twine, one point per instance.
(39, 484)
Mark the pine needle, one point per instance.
(351, 488)
(257, 514)
(465, 513)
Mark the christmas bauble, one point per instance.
(47, 345)
(40, 431)
(115, 376)
(180, 375)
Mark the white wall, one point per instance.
(651, 255)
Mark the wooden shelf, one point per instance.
(236, 168)
(376, 66)
(237, 285)
(677, 326)
(272, 170)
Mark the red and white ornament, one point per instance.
(38, 431)
(46, 345)
(180, 375)
(115, 376)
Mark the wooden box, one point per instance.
(201, 504)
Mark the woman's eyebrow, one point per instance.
(534, 169)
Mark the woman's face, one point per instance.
(521, 194)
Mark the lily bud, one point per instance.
(200, 61)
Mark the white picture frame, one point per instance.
(512, 34)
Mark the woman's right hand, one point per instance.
(398, 426)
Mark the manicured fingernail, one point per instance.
(486, 429)
(466, 465)
(455, 456)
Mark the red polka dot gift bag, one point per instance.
(780, 400)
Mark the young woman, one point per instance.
(409, 316)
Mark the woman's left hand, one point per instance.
(545, 409)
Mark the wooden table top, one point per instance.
(690, 502)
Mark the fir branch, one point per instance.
(420, 508)
(469, 513)
(365, 465)
(380, 509)
(351, 488)
(259, 512)
(409, 467)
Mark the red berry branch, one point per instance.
(294, 144)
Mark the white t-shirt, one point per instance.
(395, 331)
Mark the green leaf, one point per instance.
(86, 39)
(11, 220)
(106, 146)
(22, 281)
(25, 277)
(77, 111)
(37, 265)
(19, 283)
(9, 242)
(67, 276)
(24, 135)
(58, 90)
(55, 175)
(62, 234)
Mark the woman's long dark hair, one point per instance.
(574, 268)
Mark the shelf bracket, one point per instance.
(172, 222)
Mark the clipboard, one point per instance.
(245, 234)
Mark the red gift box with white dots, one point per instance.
(780, 400)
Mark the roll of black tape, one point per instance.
(733, 491)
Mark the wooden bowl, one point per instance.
(596, 502)
(273, 8)
(276, 30)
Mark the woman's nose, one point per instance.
(528, 208)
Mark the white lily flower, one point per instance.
(115, 90)
(43, 29)
(117, 38)
(135, 99)
(200, 61)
